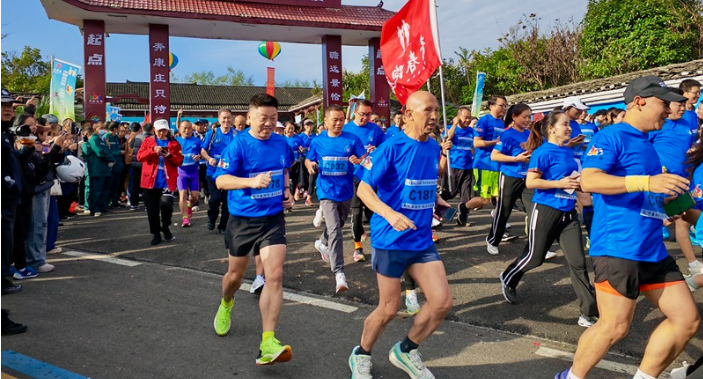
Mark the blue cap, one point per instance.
(202, 121)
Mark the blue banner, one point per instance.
(63, 89)
(478, 94)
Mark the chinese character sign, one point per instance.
(332, 70)
(94, 66)
(159, 83)
(410, 47)
(63, 89)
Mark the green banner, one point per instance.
(63, 89)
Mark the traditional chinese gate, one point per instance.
(300, 21)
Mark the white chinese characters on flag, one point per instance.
(410, 47)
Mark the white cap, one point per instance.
(160, 125)
(575, 102)
(280, 125)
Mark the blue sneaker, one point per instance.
(562, 375)
(360, 365)
(25, 273)
(665, 232)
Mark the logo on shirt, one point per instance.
(370, 138)
(479, 129)
(367, 163)
(697, 192)
(223, 164)
(283, 161)
(347, 149)
(436, 164)
(594, 152)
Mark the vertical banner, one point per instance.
(63, 89)
(478, 94)
(94, 63)
(380, 90)
(159, 80)
(332, 70)
(270, 80)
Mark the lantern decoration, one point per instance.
(269, 49)
(172, 61)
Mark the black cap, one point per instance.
(650, 86)
(7, 97)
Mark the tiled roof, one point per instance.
(346, 17)
(200, 97)
(670, 72)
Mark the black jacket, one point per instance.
(11, 172)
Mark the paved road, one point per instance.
(547, 307)
(104, 320)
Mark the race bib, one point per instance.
(419, 194)
(561, 194)
(335, 166)
(653, 206)
(465, 143)
(274, 189)
(523, 169)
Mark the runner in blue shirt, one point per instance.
(397, 126)
(215, 142)
(672, 144)
(372, 137)
(486, 134)
(574, 108)
(307, 181)
(622, 171)
(461, 162)
(692, 92)
(513, 158)
(692, 216)
(254, 168)
(201, 127)
(404, 171)
(333, 155)
(188, 176)
(553, 174)
(297, 146)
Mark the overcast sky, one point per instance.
(471, 24)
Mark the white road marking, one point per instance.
(604, 364)
(101, 257)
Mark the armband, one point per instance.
(637, 183)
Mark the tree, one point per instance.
(353, 83)
(295, 83)
(231, 78)
(26, 72)
(621, 36)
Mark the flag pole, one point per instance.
(441, 90)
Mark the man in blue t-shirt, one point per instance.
(254, 168)
(216, 140)
(371, 136)
(692, 92)
(333, 155)
(461, 162)
(623, 172)
(404, 171)
(397, 126)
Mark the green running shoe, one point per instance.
(271, 351)
(223, 319)
(410, 362)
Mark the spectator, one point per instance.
(115, 182)
(135, 166)
(99, 162)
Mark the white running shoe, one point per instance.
(550, 255)
(322, 249)
(317, 221)
(691, 282)
(507, 238)
(411, 303)
(587, 322)
(680, 372)
(360, 365)
(258, 284)
(492, 250)
(341, 283)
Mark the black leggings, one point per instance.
(358, 212)
(410, 284)
(509, 190)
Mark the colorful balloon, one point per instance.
(172, 61)
(269, 49)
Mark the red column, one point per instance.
(380, 90)
(94, 72)
(159, 81)
(332, 70)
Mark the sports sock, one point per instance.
(572, 376)
(361, 351)
(358, 245)
(266, 335)
(641, 375)
(228, 304)
(407, 345)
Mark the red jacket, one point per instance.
(150, 163)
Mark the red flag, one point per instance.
(410, 47)
(147, 119)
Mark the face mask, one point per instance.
(102, 132)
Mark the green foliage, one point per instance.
(353, 83)
(621, 36)
(296, 83)
(208, 78)
(26, 72)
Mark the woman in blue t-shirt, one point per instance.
(513, 159)
(553, 174)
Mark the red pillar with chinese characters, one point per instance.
(159, 81)
(380, 90)
(94, 63)
(332, 70)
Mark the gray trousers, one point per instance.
(36, 237)
(335, 213)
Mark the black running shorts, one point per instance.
(628, 278)
(248, 235)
